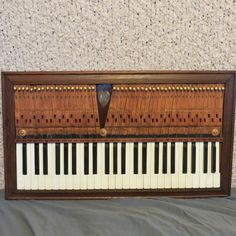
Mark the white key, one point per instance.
(189, 178)
(153, 176)
(111, 180)
(146, 179)
(181, 174)
(209, 175)
(133, 177)
(19, 168)
(125, 177)
(217, 173)
(196, 175)
(202, 174)
(118, 176)
(48, 177)
(102, 159)
(76, 177)
(161, 178)
(90, 174)
(68, 177)
(140, 175)
(41, 177)
(168, 174)
(34, 177)
(83, 177)
(98, 176)
(175, 176)
(55, 178)
(29, 167)
(62, 183)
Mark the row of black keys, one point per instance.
(115, 159)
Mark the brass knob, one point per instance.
(215, 132)
(103, 132)
(22, 132)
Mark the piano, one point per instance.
(95, 135)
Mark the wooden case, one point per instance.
(13, 83)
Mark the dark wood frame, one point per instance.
(9, 79)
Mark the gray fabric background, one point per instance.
(163, 216)
(117, 35)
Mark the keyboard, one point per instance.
(53, 166)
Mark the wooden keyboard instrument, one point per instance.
(81, 135)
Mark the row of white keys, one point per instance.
(128, 180)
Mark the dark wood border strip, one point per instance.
(116, 78)
(228, 134)
(8, 135)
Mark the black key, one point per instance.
(66, 158)
(45, 158)
(86, 158)
(107, 164)
(213, 156)
(94, 158)
(24, 159)
(74, 159)
(205, 160)
(172, 160)
(185, 159)
(135, 158)
(164, 167)
(36, 159)
(115, 158)
(57, 158)
(156, 164)
(144, 159)
(123, 158)
(193, 157)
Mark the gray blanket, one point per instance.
(132, 216)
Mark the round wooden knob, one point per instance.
(22, 132)
(215, 132)
(103, 132)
